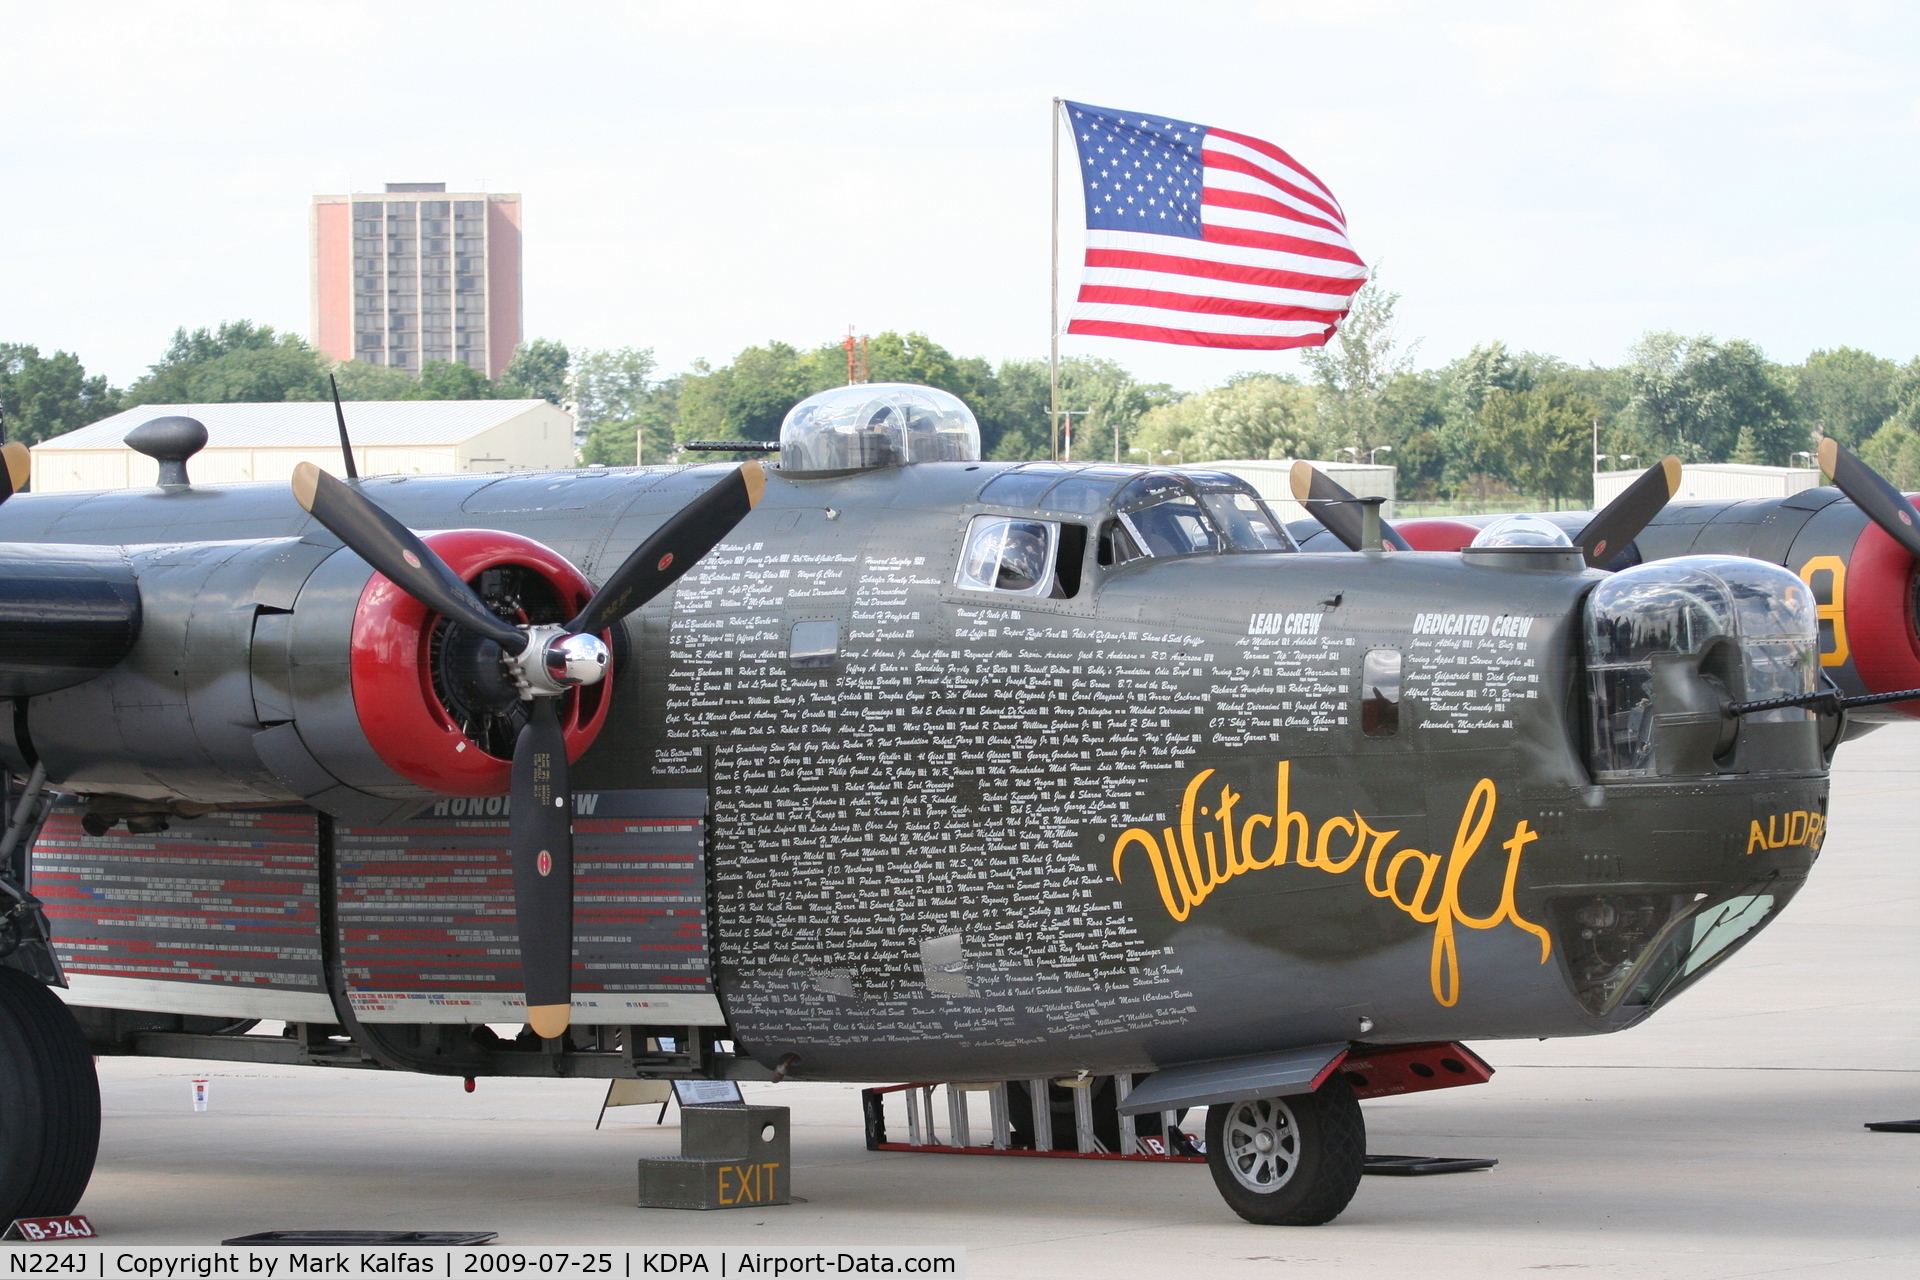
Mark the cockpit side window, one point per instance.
(1012, 557)
(1203, 511)
(1380, 693)
(1081, 495)
(1248, 524)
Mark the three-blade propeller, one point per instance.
(1617, 524)
(544, 662)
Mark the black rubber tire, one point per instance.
(49, 1102)
(1331, 1149)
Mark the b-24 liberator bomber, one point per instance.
(880, 763)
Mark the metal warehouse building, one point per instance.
(1716, 480)
(266, 441)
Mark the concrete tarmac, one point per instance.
(1721, 1139)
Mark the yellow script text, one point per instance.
(1190, 863)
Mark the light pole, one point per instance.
(1806, 455)
(1169, 453)
(1352, 450)
(1378, 449)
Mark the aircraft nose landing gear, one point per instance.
(1288, 1162)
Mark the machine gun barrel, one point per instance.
(1824, 699)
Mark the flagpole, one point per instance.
(1053, 328)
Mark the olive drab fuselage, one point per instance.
(1171, 809)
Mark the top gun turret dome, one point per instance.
(1522, 531)
(877, 424)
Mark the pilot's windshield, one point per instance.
(1166, 518)
(1248, 524)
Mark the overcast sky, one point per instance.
(702, 176)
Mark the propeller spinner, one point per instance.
(543, 662)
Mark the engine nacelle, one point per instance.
(286, 671)
(67, 613)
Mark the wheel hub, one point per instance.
(1262, 1143)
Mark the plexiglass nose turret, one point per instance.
(1671, 643)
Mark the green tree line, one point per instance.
(238, 362)
(1496, 422)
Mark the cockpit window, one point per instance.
(1012, 556)
(1149, 489)
(1160, 513)
(1166, 519)
(1017, 488)
(1248, 524)
(1240, 512)
(1081, 495)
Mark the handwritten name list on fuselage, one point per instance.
(952, 777)
(928, 817)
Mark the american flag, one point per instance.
(1208, 238)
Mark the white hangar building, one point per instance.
(1716, 480)
(266, 441)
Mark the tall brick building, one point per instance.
(417, 273)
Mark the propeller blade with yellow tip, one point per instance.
(18, 469)
(673, 548)
(1621, 520)
(1327, 501)
(1873, 493)
(398, 552)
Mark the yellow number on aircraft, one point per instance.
(1834, 610)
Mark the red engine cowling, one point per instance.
(283, 670)
(1867, 605)
(1436, 533)
(403, 694)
